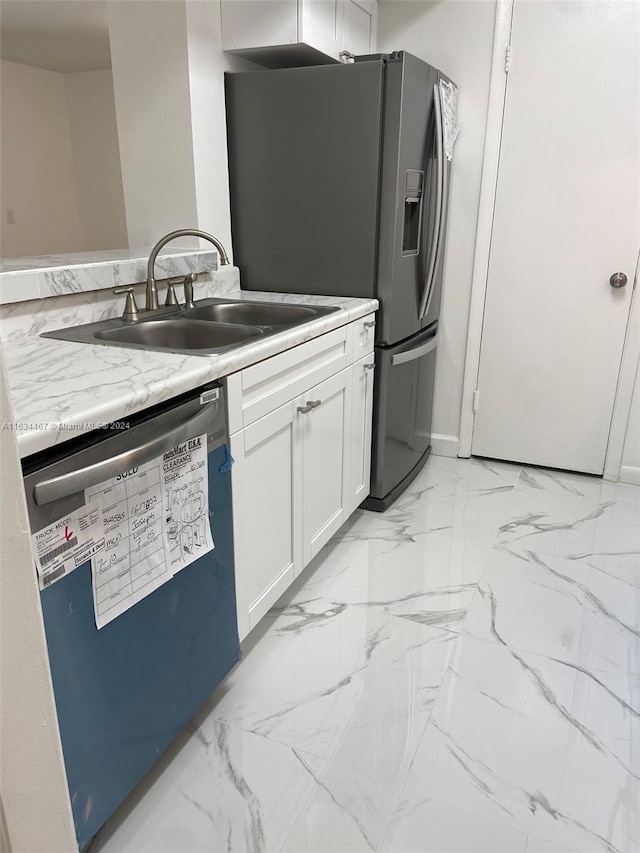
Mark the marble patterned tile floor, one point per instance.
(458, 675)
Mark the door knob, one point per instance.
(618, 279)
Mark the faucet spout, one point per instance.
(152, 290)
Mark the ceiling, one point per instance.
(61, 35)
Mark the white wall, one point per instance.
(60, 162)
(168, 71)
(207, 64)
(38, 182)
(630, 471)
(96, 159)
(35, 798)
(151, 85)
(457, 37)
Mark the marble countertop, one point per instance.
(43, 276)
(60, 389)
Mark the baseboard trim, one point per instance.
(630, 475)
(444, 445)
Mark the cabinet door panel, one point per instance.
(360, 431)
(320, 25)
(324, 463)
(358, 25)
(266, 513)
(254, 23)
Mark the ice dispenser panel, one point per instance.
(413, 182)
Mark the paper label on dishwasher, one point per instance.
(186, 501)
(64, 545)
(156, 522)
(134, 561)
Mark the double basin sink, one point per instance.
(213, 326)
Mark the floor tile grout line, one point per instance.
(459, 640)
(391, 814)
(305, 751)
(437, 799)
(591, 674)
(403, 784)
(604, 572)
(574, 558)
(364, 605)
(575, 666)
(327, 762)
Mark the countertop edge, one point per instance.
(180, 373)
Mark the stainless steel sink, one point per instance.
(254, 313)
(179, 334)
(167, 333)
(213, 326)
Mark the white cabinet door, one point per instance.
(266, 512)
(248, 24)
(323, 417)
(359, 26)
(360, 432)
(320, 25)
(328, 26)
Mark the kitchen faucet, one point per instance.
(152, 290)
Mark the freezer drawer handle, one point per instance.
(413, 354)
(311, 405)
(77, 481)
(369, 366)
(370, 324)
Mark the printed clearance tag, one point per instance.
(64, 545)
(185, 476)
(134, 562)
(156, 522)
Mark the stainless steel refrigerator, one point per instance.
(339, 180)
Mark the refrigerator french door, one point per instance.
(339, 186)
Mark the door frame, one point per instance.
(480, 273)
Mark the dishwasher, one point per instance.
(125, 690)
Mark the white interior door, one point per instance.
(566, 219)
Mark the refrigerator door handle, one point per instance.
(60, 487)
(434, 252)
(415, 353)
(443, 213)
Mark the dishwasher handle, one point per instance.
(56, 488)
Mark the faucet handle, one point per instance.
(130, 313)
(172, 299)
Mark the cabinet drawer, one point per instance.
(275, 381)
(362, 335)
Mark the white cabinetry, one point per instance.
(300, 427)
(360, 432)
(279, 33)
(266, 481)
(320, 25)
(359, 26)
(323, 426)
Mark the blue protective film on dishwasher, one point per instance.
(228, 461)
(125, 692)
